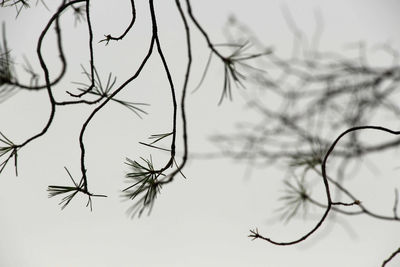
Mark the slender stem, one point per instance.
(171, 84)
(183, 98)
(90, 31)
(391, 257)
(133, 19)
(203, 32)
(254, 233)
(46, 71)
(109, 97)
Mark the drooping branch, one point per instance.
(46, 71)
(109, 37)
(255, 234)
(391, 257)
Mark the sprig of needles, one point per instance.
(7, 75)
(232, 76)
(70, 192)
(156, 138)
(295, 196)
(9, 148)
(105, 91)
(145, 183)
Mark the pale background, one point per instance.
(205, 219)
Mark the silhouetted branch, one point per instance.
(108, 37)
(231, 63)
(254, 234)
(394, 254)
(315, 94)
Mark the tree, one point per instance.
(310, 89)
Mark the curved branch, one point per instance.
(171, 85)
(109, 37)
(62, 59)
(391, 257)
(203, 32)
(46, 71)
(97, 109)
(363, 210)
(254, 233)
(89, 24)
(183, 98)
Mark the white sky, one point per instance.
(205, 219)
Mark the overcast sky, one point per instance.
(203, 220)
